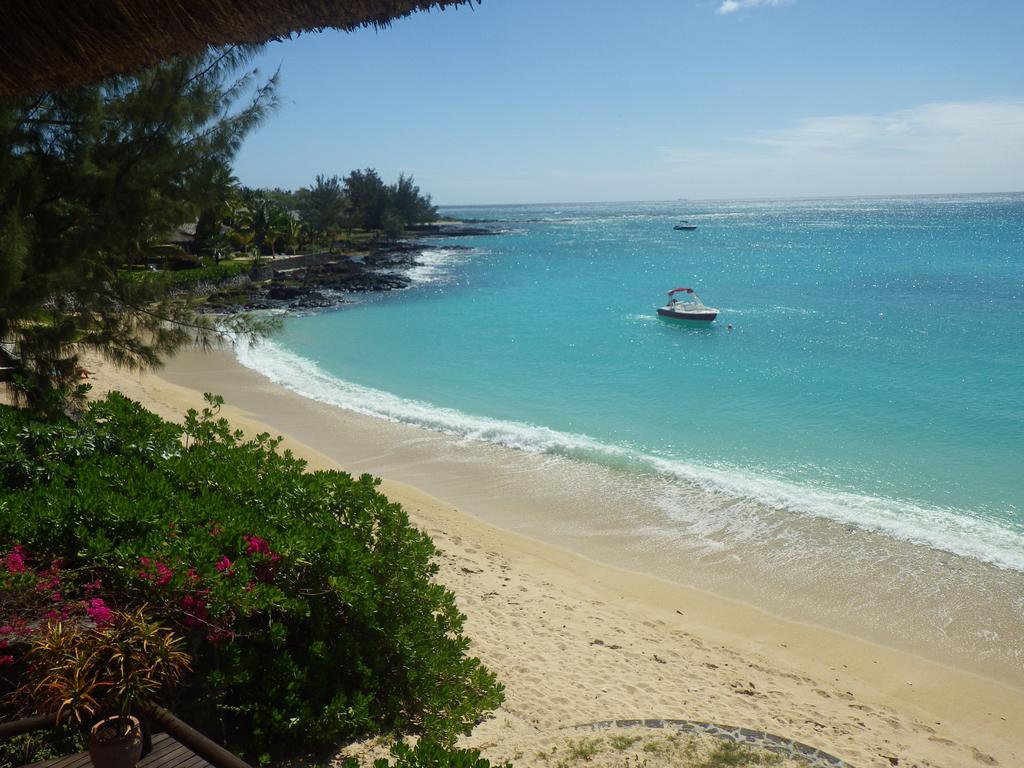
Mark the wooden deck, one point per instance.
(167, 753)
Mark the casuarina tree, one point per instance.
(90, 179)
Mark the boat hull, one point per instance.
(701, 317)
(686, 229)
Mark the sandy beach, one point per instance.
(576, 640)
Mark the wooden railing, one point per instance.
(212, 752)
(156, 719)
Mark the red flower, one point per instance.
(159, 573)
(15, 561)
(219, 635)
(195, 609)
(256, 545)
(164, 574)
(99, 612)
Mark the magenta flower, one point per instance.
(15, 561)
(256, 545)
(224, 565)
(163, 574)
(99, 612)
(6, 659)
(155, 571)
(218, 635)
(195, 609)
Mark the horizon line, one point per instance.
(793, 198)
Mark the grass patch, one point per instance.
(621, 741)
(584, 749)
(731, 755)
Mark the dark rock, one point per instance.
(319, 281)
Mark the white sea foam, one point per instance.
(437, 264)
(737, 491)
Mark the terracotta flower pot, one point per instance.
(116, 742)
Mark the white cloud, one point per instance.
(731, 6)
(942, 147)
(941, 127)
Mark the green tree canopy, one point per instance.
(409, 203)
(91, 178)
(367, 198)
(372, 204)
(322, 204)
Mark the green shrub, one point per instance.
(180, 278)
(38, 746)
(429, 754)
(306, 598)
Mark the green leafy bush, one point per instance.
(429, 754)
(306, 599)
(189, 279)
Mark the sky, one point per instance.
(533, 101)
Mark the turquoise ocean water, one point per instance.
(873, 375)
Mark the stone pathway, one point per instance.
(745, 736)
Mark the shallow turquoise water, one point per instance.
(874, 373)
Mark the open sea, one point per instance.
(873, 374)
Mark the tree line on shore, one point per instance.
(269, 221)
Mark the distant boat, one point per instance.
(685, 225)
(689, 308)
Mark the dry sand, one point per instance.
(576, 641)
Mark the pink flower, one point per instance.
(160, 577)
(164, 574)
(195, 609)
(15, 561)
(218, 635)
(192, 575)
(6, 659)
(99, 612)
(224, 565)
(256, 545)
(92, 586)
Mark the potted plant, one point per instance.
(94, 674)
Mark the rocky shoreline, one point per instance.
(326, 280)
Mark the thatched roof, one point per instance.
(51, 44)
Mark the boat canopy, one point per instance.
(680, 290)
